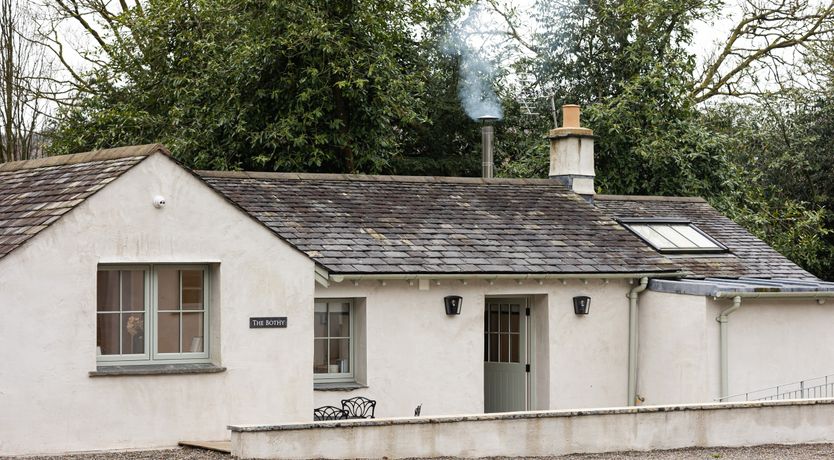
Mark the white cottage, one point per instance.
(144, 303)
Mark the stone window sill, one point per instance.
(338, 386)
(156, 369)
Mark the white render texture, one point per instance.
(415, 354)
(546, 433)
(776, 341)
(49, 403)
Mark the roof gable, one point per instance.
(420, 225)
(34, 194)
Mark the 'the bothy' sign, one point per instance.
(265, 322)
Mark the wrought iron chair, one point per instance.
(418, 409)
(329, 413)
(359, 407)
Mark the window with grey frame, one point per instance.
(152, 314)
(673, 235)
(333, 340)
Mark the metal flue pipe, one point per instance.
(487, 141)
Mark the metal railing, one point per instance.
(818, 387)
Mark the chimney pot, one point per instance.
(572, 153)
(570, 116)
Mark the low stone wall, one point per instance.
(545, 433)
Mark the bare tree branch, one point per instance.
(766, 29)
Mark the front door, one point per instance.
(505, 355)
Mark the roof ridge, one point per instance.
(86, 157)
(374, 178)
(684, 199)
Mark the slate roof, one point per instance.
(36, 193)
(748, 257)
(419, 225)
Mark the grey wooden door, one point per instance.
(505, 355)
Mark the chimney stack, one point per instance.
(572, 153)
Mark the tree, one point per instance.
(315, 86)
(24, 84)
(781, 146)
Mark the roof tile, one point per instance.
(412, 225)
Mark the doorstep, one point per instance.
(217, 446)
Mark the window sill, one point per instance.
(156, 369)
(337, 386)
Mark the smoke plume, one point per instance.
(468, 40)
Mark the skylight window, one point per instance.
(673, 235)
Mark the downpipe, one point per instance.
(724, 320)
(633, 296)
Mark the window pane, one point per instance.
(493, 348)
(192, 332)
(515, 347)
(320, 320)
(656, 239)
(696, 237)
(168, 289)
(515, 314)
(192, 290)
(676, 238)
(133, 290)
(107, 333)
(133, 334)
(320, 356)
(339, 320)
(168, 333)
(107, 287)
(339, 356)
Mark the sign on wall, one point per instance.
(267, 322)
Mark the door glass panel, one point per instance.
(515, 347)
(168, 289)
(504, 346)
(107, 287)
(493, 318)
(133, 334)
(168, 333)
(493, 348)
(514, 318)
(505, 318)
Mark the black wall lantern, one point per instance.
(581, 304)
(453, 304)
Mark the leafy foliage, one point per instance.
(781, 147)
(327, 85)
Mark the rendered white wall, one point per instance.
(48, 403)
(773, 342)
(416, 354)
(546, 434)
(770, 341)
(675, 362)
